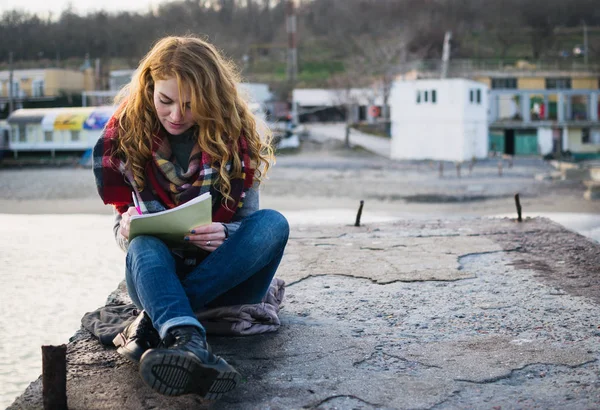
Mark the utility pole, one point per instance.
(292, 60)
(446, 54)
(585, 43)
(11, 96)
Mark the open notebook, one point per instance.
(173, 224)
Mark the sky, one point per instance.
(79, 6)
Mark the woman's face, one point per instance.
(168, 106)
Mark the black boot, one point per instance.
(183, 364)
(138, 337)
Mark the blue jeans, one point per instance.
(237, 272)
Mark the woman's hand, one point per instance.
(126, 221)
(207, 237)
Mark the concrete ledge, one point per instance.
(464, 313)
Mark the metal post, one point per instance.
(446, 54)
(569, 107)
(98, 80)
(525, 110)
(292, 66)
(593, 108)
(11, 96)
(560, 107)
(585, 44)
(54, 377)
(519, 209)
(359, 213)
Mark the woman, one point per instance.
(181, 130)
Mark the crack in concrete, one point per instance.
(339, 396)
(450, 235)
(475, 234)
(317, 237)
(495, 307)
(287, 356)
(403, 359)
(502, 233)
(330, 274)
(517, 249)
(375, 282)
(512, 371)
(440, 403)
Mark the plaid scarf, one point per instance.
(167, 185)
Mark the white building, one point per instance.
(320, 104)
(439, 119)
(256, 92)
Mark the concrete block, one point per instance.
(575, 174)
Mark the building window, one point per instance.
(37, 88)
(48, 136)
(504, 83)
(418, 97)
(433, 96)
(74, 135)
(471, 96)
(478, 96)
(585, 136)
(22, 134)
(16, 89)
(425, 96)
(595, 137)
(562, 83)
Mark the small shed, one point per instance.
(444, 119)
(322, 105)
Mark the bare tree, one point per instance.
(504, 25)
(349, 88)
(382, 58)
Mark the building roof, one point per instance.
(32, 73)
(256, 92)
(63, 118)
(121, 73)
(322, 97)
(29, 115)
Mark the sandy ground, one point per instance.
(325, 180)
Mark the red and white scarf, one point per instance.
(167, 186)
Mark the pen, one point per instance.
(135, 202)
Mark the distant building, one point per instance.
(324, 105)
(534, 108)
(439, 120)
(257, 92)
(118, 79)
(56, 129)
(43, 84)
(537, 114)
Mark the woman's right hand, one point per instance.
(126, 221)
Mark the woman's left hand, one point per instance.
(207, 237)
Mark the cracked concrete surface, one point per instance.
(347, 251)
(469, 313)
